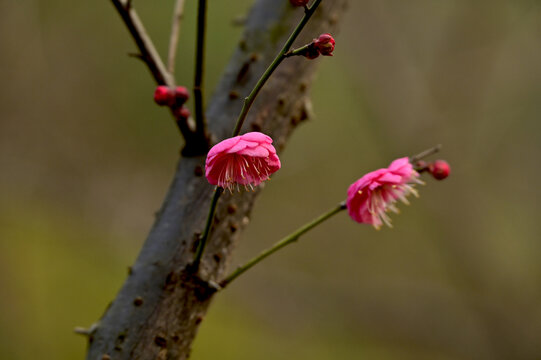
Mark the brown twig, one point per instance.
(149, 54)
(198, 86)
(425, 153)
(173, 39)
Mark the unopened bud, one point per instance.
(325, 44)
(299, 2)
(311, 52)
(182, 113)
(164, 96)
(439, 169)
(181, 95)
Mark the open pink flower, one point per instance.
(373, 195)
(247, 160)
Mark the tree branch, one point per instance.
(157, 312)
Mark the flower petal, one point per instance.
(247, 159)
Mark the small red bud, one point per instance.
(299, 2)
(325, 44)
(181, 113)
(311, 52)
(164, 96)
(181, 95)
(439, 169)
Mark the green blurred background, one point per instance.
(86, 159)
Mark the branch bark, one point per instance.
(158, 310)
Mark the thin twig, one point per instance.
(149, 54)
(200, 126)
(289, 239)
(425, 153)
(203, 240)
(175, 31)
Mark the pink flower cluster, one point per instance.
(373, 195)
(247, 160)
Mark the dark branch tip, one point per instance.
(135, 55)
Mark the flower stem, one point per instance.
(296, 52)
(294, 236)
(208, 226)
(199, 68)
(277, 60)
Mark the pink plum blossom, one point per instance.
(247, 160)
(373, 195)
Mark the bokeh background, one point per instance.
(86, 159)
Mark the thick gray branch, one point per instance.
(158, 310)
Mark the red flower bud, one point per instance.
(299, 2)
(439, 169)
(164, 96)
(181, 95)
(181, 113)
(325, 44)
(310, 52)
